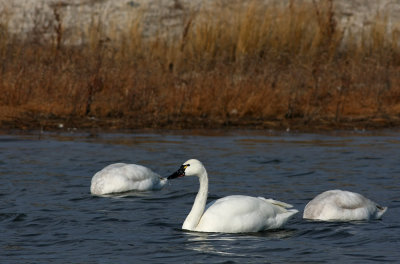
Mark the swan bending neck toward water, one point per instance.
(231, 214)
(121, 177)
(338, 205)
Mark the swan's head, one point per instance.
(192, 167)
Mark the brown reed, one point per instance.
(249, 66)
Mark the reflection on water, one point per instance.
(47, 214)
(204, 243)
(238, 245)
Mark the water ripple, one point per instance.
(47, 214)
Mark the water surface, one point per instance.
(47, 214)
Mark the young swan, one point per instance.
(338, 205)
(121, 177)
(231, 214)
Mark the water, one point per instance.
(47, 214)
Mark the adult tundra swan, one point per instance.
(122, 177)
(338, 205)
(231, 214)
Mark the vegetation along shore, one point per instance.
(246, 66)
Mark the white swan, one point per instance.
(231, 214)
(338, 205)
(121, 177)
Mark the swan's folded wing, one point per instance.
(338, 205)
(275, 202)
(238, 213)
(121, 177)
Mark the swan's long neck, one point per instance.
(193, 218)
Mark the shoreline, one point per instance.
(281, 68)
(110, 125)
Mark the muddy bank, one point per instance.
(29, 122)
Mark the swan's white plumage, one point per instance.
(338, 205)
(232, 214)
(122, 177)
(238, 213)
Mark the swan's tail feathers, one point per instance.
(381, 211)
(282, 218)
(291, 212)
(278, 203)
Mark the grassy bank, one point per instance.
(237, 66)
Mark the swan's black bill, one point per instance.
(179, 173)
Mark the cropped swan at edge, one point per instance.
(231, 214)
(122, 177)
(338, 205)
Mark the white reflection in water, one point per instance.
(232, 244)
(205, 243)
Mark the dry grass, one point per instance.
(258, 66)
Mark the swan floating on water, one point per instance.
(338, 205)
(231, 214)
(122, 177)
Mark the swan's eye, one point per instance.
(184, 166)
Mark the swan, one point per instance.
(231, 214)
(122, 177)
(338, 205)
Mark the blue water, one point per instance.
(47, 214)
